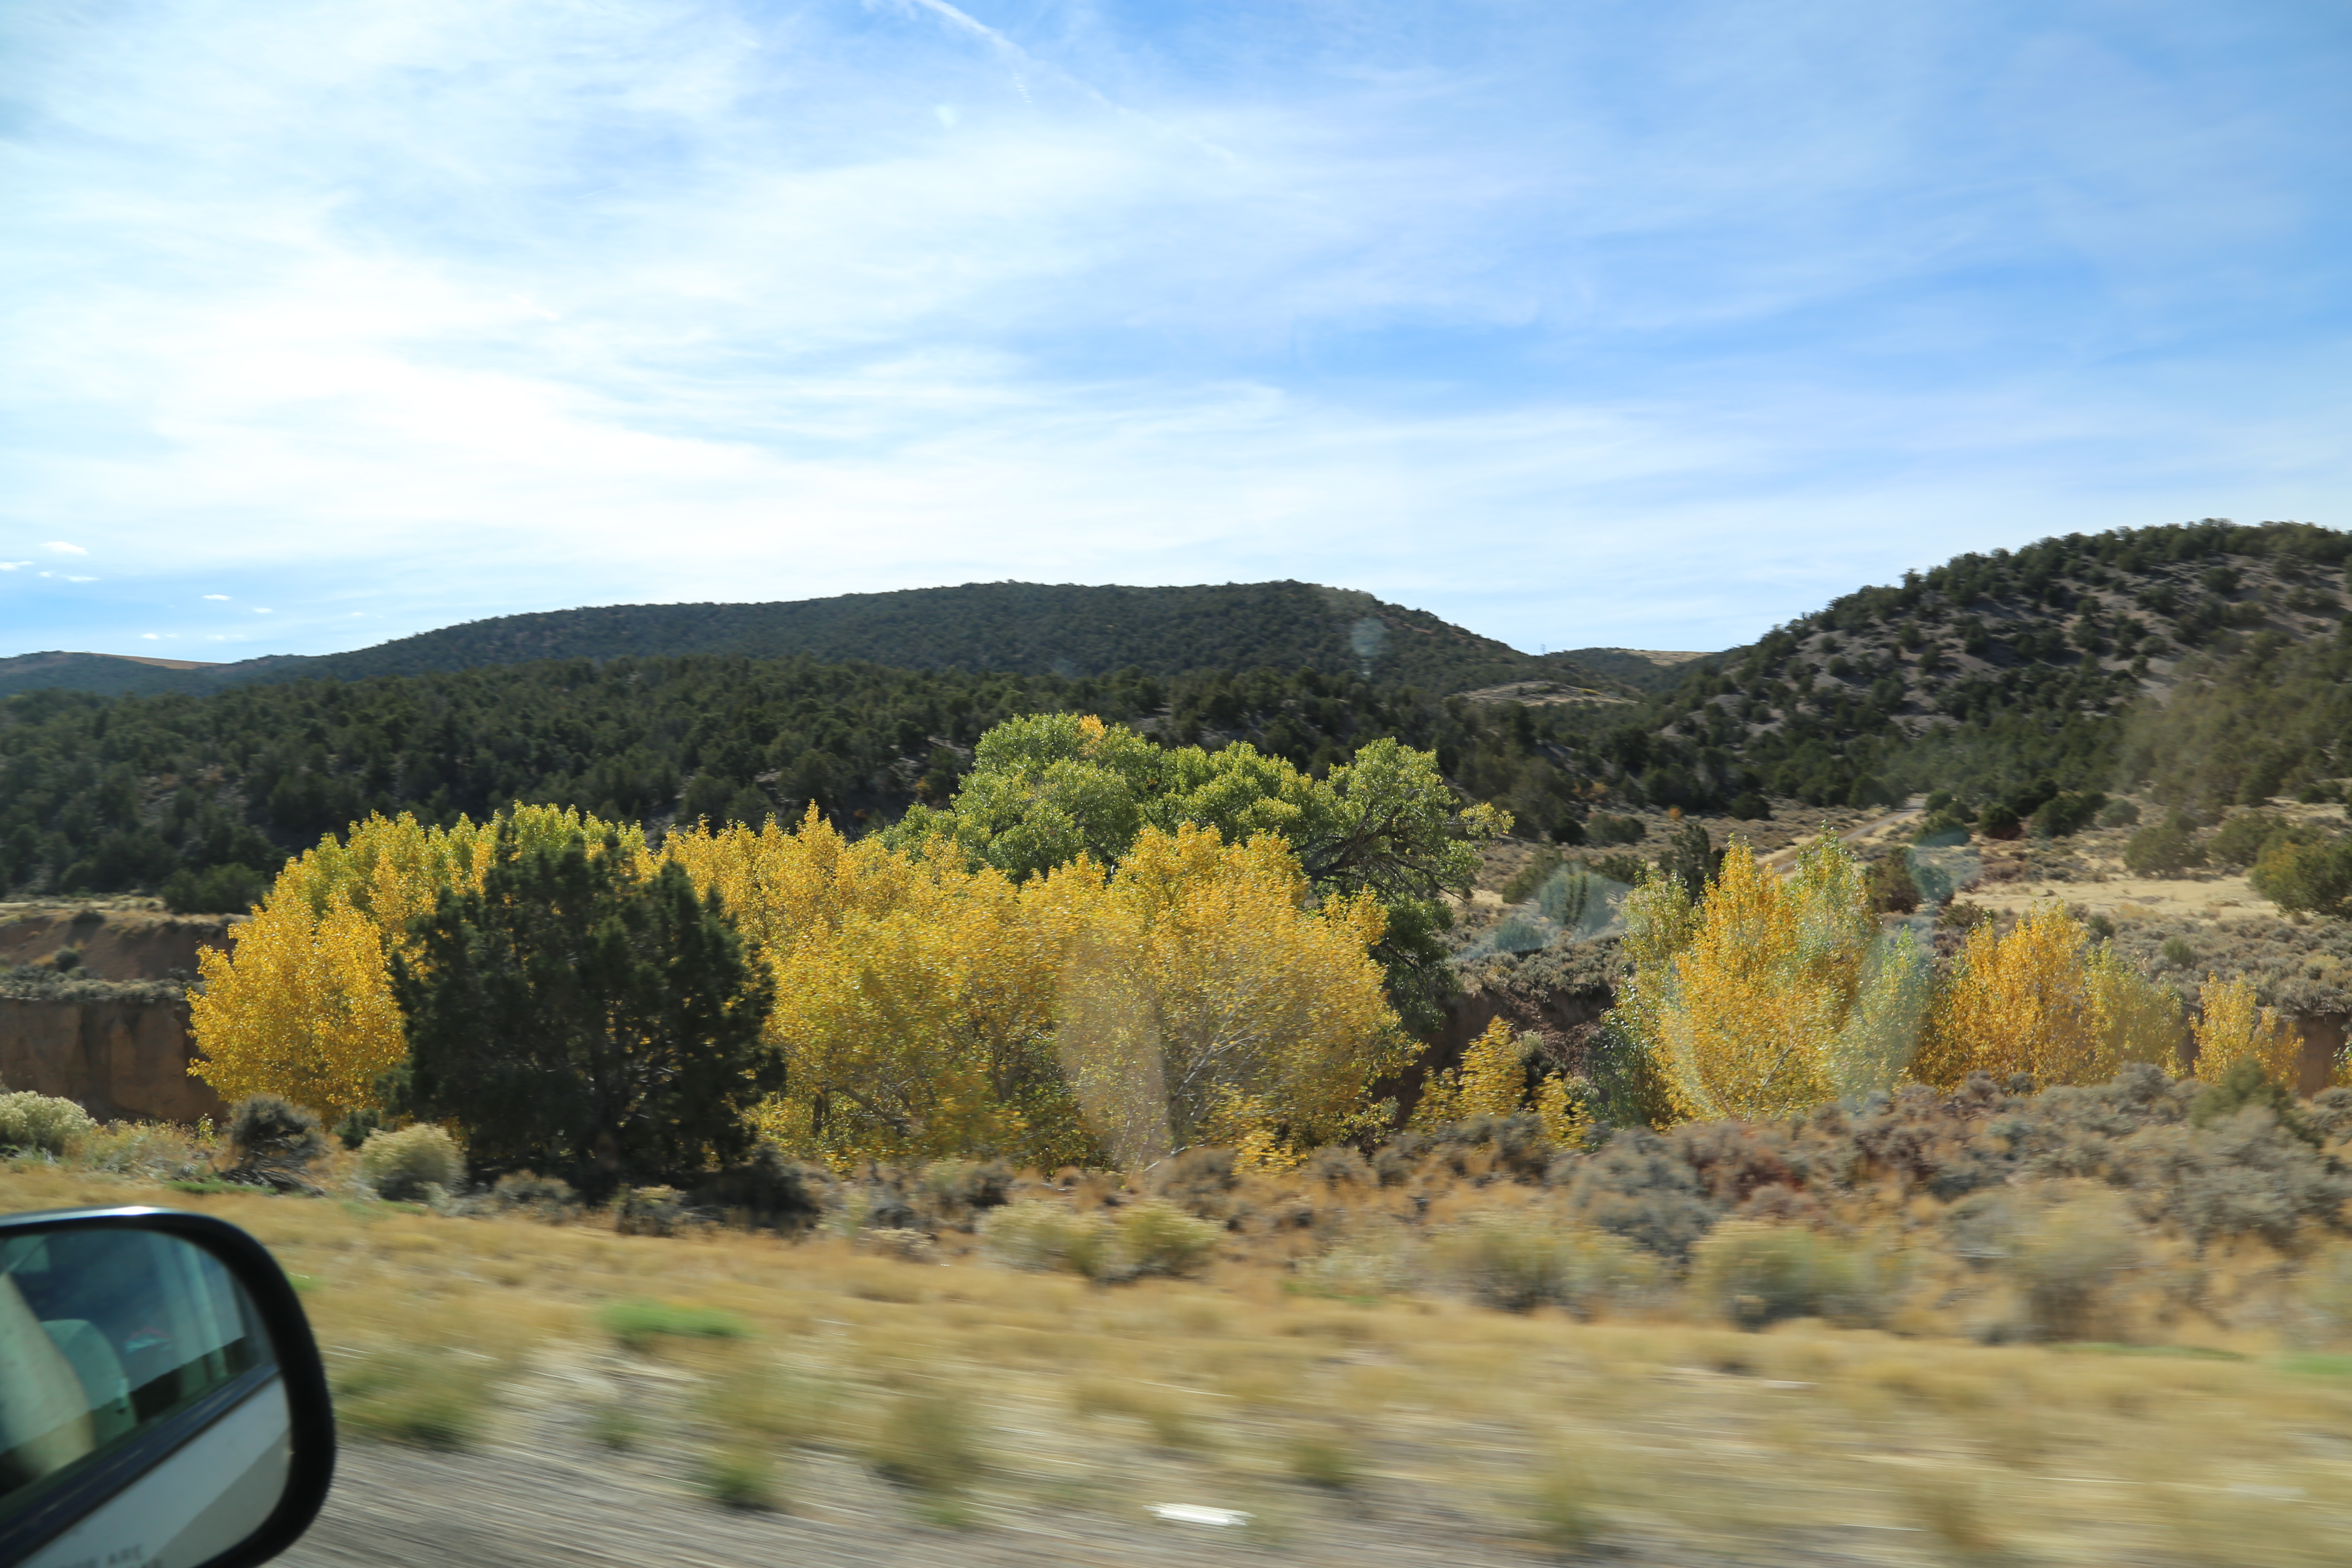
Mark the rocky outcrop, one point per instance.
(121, 1059)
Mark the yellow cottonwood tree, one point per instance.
(927, 1008)
(306, 1011)
(914, 998)
(2042, 1000)
(1270, 1021)
(1491, 1080)
(1765, 996)
(2231, 1027)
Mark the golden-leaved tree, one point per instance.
(914, 1003)
(2231, 1027)
(1492, 1080)
(300, 1005)
(2045, 1000)
(1764, 996)
(926, 1006)
(1263, 1014)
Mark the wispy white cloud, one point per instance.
(1664, 324)
(59, 547)
(219, 596)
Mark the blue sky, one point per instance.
(1650, 323)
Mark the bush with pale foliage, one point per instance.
(402, 1165)
(42, 1123)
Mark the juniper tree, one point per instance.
(579, 1014)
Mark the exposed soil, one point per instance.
(113, 938)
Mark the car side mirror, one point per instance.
(161, 1401)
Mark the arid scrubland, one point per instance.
(1471, 1342)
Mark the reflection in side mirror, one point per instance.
(162, 1403)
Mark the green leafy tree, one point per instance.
(1045, 789)
(2305, 877)
(2166, 850)
(576, 1015)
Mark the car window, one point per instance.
(103, 1335)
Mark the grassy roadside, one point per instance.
(758, 1371)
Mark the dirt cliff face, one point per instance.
(114, 944)
(120, 1060)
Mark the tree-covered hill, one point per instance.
(1991, 672)
(107, 674)
(2201, 662)
(1021, 628)
(203, 795)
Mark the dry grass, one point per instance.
(970, 1391)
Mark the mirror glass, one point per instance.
(139, 1402)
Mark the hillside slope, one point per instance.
(1065, 630)
(1992, 671)
(200, 795)
(108, 674)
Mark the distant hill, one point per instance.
(2203, 663)
(1993, 673)
(1019, 628)
(109, 675)
(1641, 669)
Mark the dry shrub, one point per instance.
(907, 1246)
(959, 1190)
(1561, 1507)
(1201, 1181)
(926, 1441)
(2068, 1262)
(1033, 1233)
(1326, 1459)
(2324, 1291)
(276, 1142)
(1513, 1147)
(1751, 1275)
(42, 1123)
(1171, 1426)
(406, 1166)
(1159, 1238)
(651, 1211)
(149, 1151)
(1640, 1188)
(1148, 1238)
(1339, 1167)
(425, 1398)
(1363, 1268)
(770, 1190)
(1517, 1262)
(545, 1197)
(738, 1476)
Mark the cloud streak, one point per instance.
(1645, 328)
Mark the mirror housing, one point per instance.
(161, 1399)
